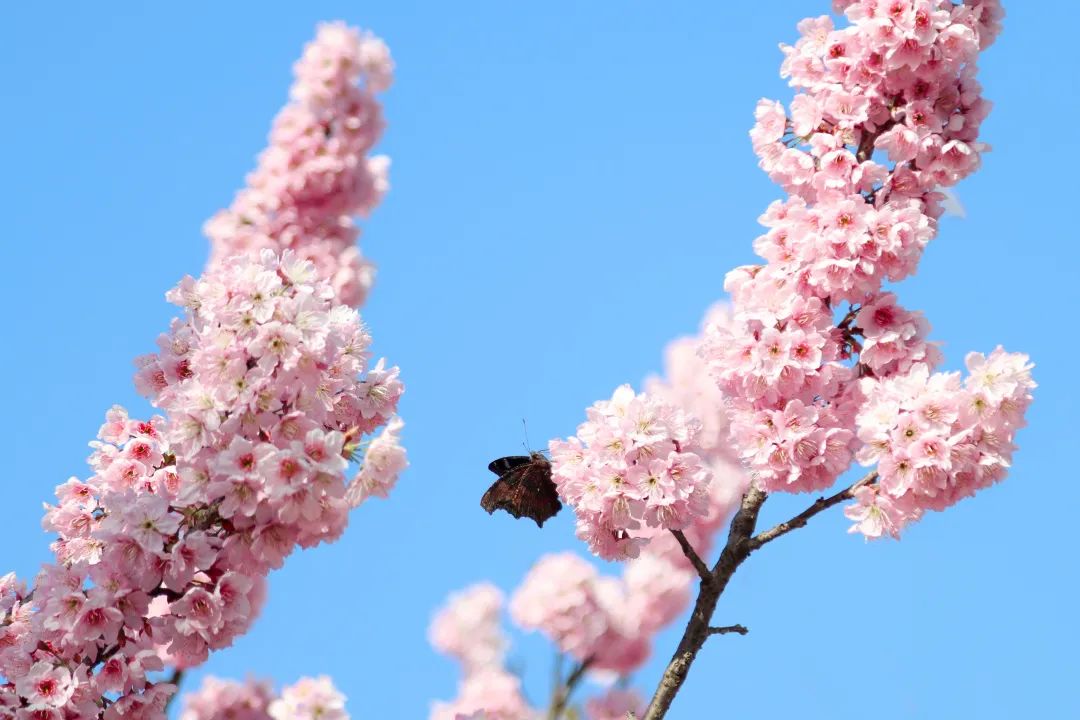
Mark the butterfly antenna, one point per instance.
(528, 447)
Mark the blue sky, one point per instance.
(571, 181)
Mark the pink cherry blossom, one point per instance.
(491, 694)
(228, 699)
(266, 389)
(615, 705)
(469, 630)
(937, 439)
(384, 460)
(309, 699)
(632, 465)
(317, 171)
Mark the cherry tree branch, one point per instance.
(800, 520)
(691, 555)
(698, 628)
(740, 544)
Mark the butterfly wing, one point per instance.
(504, 465)
(525, 489)
(540, 496)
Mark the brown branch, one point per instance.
(693, 557)
(697, 628)
(560, 696)
(866, 142)
(800, 520)
(741, 543)
(175, 679)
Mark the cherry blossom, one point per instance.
(317, 171)
(631, 465)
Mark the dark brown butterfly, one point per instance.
(524, 488)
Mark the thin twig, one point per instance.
(740, 629)
(866, 145)
(175, 679)
(691, 555)
(560, 696)
(802, 518)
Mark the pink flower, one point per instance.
(46, 686)
(309, 699)
(937, 440)
(633, 464)
(585, 615)
(228, 699)
(492, 694)
(199, 612)
(468, 628)
(384, 461)
(615, 704)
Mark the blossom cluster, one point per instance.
(307, 699)
(469, 629)
(605, 623)
(317, 173)
(631, 469)
(163, 552)
(586, 616)
(887, 113)
(268, 390)
(937, 439)
(687, 384)
(615, 704)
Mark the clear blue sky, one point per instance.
(571, 181)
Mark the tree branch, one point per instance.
(698, 628)
(693, 557)
(741, 543)
(175, 679)
(866, 143)
(560, 696)
(800, 520)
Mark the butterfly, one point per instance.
(524, 488)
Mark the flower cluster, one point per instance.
(687, 384)
(585, 615)
(605, 623)
(894, 339)
(228, 699)
(266, 392)
(307, 699)
(492, 693)
(384, 458)
(468, 628)
(616, 704)
(936, 439)
(164, 550)
(887, 114)
(316, 172)
(631, 469)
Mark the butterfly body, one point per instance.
(524, 488)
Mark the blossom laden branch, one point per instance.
(800, 520)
